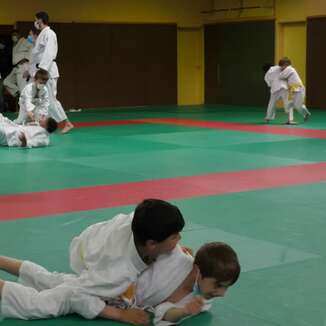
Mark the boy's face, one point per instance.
(38, 23)
(158, 248)
(40, 83)
(211, 288)
(43, 122)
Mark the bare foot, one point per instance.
(68, 126)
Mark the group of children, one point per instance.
(285, 84)
(33, 125)
(34, 78)
(130, 269)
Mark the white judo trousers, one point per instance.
(298, 98)
(56, 110)
(297, 89)
(41, 294)
(282, 94)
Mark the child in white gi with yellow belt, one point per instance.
(296, 87)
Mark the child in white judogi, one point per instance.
(279, 90)
(108, 258)
(296, 87)
(34, 99)
(37, 135)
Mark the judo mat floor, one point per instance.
(259, 188)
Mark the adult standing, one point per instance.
(43, 56)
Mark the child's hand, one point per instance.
(135, 316)
(23, 139)
(187, 250)
(31, 116)
(194, 306)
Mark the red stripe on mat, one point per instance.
(105, 123)
(90, 198)
(265, 129)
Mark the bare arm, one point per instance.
(174, 315)
(192, 308)
(131, 316)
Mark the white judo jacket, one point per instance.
(34, 100)
(273, 80)
(44, 53)
(21, 50)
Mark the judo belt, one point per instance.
(21, 62)
(294, 88)
(37, 65)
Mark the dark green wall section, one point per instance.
(234, 56)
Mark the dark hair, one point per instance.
(43, 16)
(219, 261)
(284, 61)
(42, 74)
(266, 67)
(156, 219)
(52, 125)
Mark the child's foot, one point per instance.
(267, 120)
(307, 116)
(68, 126)
(291, 122)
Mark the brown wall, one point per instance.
(316, 63)
(116, 64)
(5, 54)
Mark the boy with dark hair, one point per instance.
(168, 218)
(296, 88)
(43, 17)
(35, 135)
(107, 257)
